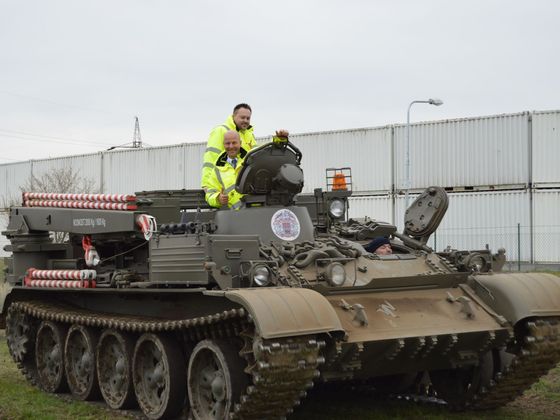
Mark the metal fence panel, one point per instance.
(378, 207)
(474, 220)
(12, 177)
(485, 151)
(546, 225)
(546, 149)
(128, 171)
(193, 164)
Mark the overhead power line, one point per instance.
(46, 138)
(48, 101)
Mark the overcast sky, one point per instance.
(75, 73)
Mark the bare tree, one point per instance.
(63, 180)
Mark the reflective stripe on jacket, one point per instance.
(222, 178)
(215, 146)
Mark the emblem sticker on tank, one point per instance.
(285, 225)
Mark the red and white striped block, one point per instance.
(61, 284)
(111, 198)
(80, 205)
(60, 278)
(62, 274)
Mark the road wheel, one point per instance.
(80, 362)
(114, 369)
(49, 356)
(215, 379)
(159, 376)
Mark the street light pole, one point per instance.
(436, 102)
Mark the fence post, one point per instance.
(519, 247)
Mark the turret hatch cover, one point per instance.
(424, 215)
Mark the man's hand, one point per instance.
(282, 133)
(223, 198)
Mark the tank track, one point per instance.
(281, 369)
(540, 352)
(25, 354)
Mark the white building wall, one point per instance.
(128, 171)
(479, 218)
(485, 151)
(378, 207)
(546, 225)
(367, 151)
(546, 149)
(12, 177)
(193, 164)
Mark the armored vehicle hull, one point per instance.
(167, 304)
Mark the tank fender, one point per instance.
(281, 312)
(519, 295)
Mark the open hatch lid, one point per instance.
(424, 215)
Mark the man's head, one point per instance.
(242, 116)
(380, 246)
(232, 143)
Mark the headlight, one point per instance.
(336, 275)
(476, 262)
(261, 275)
(337, 208)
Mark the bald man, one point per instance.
(220, 184)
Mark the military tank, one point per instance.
(159, 301)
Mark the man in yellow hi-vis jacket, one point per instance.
(220, 184)
(239, 121)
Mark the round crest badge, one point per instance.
(285, 225)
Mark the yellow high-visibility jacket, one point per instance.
(222, 178)
(215, 146)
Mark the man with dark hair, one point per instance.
(242, 105)
(239, 121)
(379, 246)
